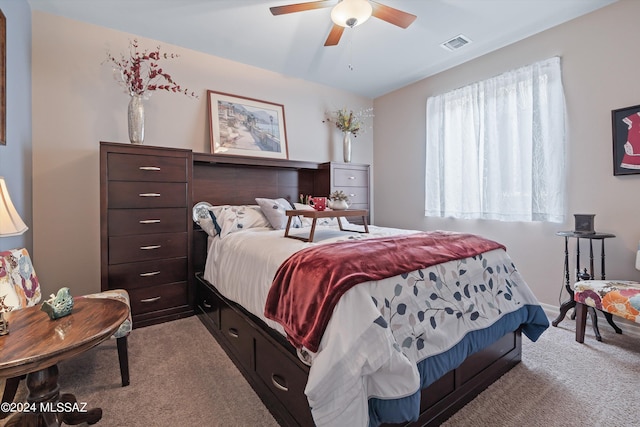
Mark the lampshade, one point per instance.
(10, 222)
(351, 13)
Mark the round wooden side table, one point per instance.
(34, 346)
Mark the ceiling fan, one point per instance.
(349, 13)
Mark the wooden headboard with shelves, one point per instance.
(222, 180)
(234, 180)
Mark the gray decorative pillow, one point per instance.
(274, 210)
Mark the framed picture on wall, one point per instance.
(246, 127)
(626, 140)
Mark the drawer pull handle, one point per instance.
(206, 304)
(352, 177)
(146, 248)
(279, 382)
(352, 195)
(149, 221)
(151, 273)
(233, 332)
(154, 299)
(149, 194)
(149, 168)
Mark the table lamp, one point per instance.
(10, 222)
(10, 225)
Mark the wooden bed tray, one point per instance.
(265, 358)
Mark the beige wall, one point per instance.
(600, 73)
(77, 103)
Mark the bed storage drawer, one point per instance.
(135, 167)
(284, 377)
(208, 303)
(438, 390)
(479, 361)
(239, 335)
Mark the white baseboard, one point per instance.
(628, 327)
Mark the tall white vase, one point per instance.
(346, 146)
(136, 119)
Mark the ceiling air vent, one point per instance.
(456, 43)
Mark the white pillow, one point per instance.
(274, 210)
(229, 219)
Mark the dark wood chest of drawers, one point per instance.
(351, 178)
(146, 232)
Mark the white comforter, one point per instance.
(353, 363)
(242, 265)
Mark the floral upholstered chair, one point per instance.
(613, 297)
(19, 288)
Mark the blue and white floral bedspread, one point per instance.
(401, 330)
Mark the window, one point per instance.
(496, 148)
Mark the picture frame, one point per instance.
(3, 79)
(241, 126)
(625, 123)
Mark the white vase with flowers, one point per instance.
(140, 74)
(350, 124)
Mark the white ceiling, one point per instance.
(383, 57)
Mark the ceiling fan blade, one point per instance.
(300, 7)
(391, 15)
(334, 35)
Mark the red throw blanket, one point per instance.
(308, 285)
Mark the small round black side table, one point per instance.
(570, 303)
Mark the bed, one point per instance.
(373, 371)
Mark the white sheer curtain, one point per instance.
(496, 148)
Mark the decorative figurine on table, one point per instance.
(58, 305)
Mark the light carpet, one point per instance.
(181, 377)
(562, 383)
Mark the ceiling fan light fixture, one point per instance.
(351, 13)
